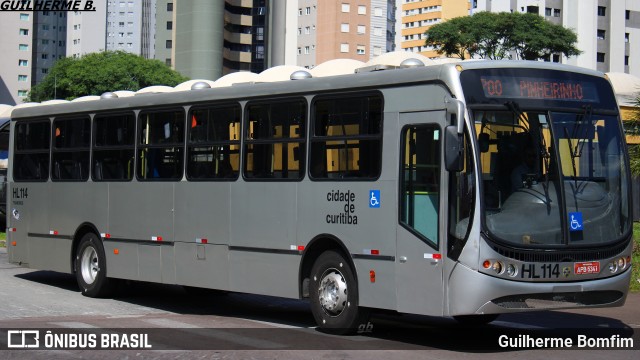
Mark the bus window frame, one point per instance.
(302, 140)
(21, 152)
(54, 149)
(312, 124)
(179, 107)
(239, 143)
(95, 147)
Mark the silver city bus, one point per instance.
(467, 189)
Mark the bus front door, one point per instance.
(419, 260)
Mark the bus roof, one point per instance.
(235, 88)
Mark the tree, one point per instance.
(633, 128)
(488, 35)
(97, 73)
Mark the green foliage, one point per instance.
(97, 73)
(635, 260)
(494, 36)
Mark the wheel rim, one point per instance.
(332, 292)
(89, 265)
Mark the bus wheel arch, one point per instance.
(90, 263)
(82, 230)
(317, 246)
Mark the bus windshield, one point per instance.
(552, 177)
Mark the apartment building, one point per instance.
(416, 16)
(608, 30)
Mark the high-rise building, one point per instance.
(33, 41)
(87, 30)
(16, 62)
(605, 28)
(326, 30)
(131, 26)
(416, 16)
(208, 39)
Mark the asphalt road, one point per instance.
(180, 325)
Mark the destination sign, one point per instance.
(510, 87)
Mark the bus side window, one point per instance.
(213, 143)
(275, 140)
(346, 142)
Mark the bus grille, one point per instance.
(559, 255)
(558, 300)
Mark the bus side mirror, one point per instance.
(453, 149)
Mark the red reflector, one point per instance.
(107, 236)
(116, 251)
(300, 247)
(375, 252)
(13, 243)
(486, 264)
(372, 276)
(437, 256)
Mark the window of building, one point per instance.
(344, 27)
(213, 145)
(346, 8)
(362, 10)
(556, 12)
(113, 149)
(626, 37)
(23, 47)
(344, 48)
(24, 32)
(300, 12)
(377, 51)
(307, 10)
(169, 25)
(346, 140)
(627, 14)
(22, 78)
(602, 11)
(377, 31)
(377, 12)
(70, 152)
(307, 30)
(22, 93)
(547, 11)
(275, 140)
(24, 17)
(31, 159)
(306, 50)
(626, 60)
(420, 181)
(45, 41)
(299, 31)
(299, 51)
(44, 70)
(23, 62)
(160, 145)
(600, 57)
(601, 34)
(167, 61)
(169, 44)
(360, 50)
(169, 6)
(362, 29)
(556, 58)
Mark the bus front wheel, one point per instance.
(334, 295)
(91, 270)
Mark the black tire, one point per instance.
(476, 320)
(91, 268)
(338, 314)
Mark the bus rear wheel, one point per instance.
(334, 295)
(91, 269)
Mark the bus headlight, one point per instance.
(512, 271)
(613, 267)
(498, 267)
(621, 263)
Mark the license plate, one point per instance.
(583, 268)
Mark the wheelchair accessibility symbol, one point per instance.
(374, 198)
(575, 221)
